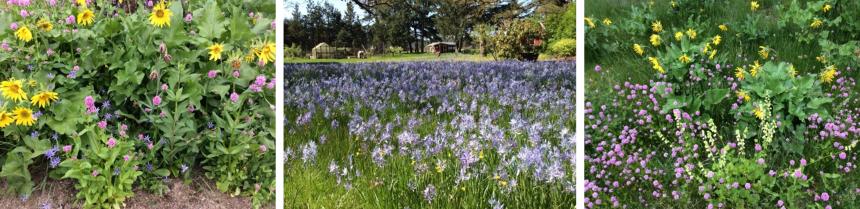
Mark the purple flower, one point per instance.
(111, 142)
(234, 97)
(212, 74)
(156, 100)
(429, 193)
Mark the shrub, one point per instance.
(514, 39)
(564, 47)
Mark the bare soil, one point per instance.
(60, 194)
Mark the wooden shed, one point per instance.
(446, 47)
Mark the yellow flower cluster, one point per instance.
(13, 90)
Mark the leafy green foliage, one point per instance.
(105, 171)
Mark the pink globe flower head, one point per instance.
(126, 158)
(111, 142)
(260, 80)
(212, 74)
(263, 148)
(95, 173)
(70, 20)
(52, 2)
(270, 85)
(825, 197)
(164, 87)
(188, 18)
(235, 73)
(13, 26)
(67, 148)
(89, 101)
(234, 97)
(156, 100)
(102, 124)
(24, 13)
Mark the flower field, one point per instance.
(120, 96)
(722, 104)
(430, 135)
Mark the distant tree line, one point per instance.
(411, 24)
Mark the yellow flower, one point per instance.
(691, 33)
(657, 27)
(215, 51)
(607, 21)
(86, 17)
(503, 183)
(13, 90)
(792, 71)
(638, 49)
(821, 59)
(826, 8)
(740, 73)
(160, 15)
(713, 53)
(744, 95)
(816, 23)
(679, 35)
(656, 65)
(754, 5)
(759, 112)
(43, 99)
(589, 22)
(674, 4)
(6, 119)
(655, 40)
(764, 52)
(828, 74)
(707, 48)
(81, 2)
(45, 25)
(24, 34)
(755, 68)
(723, 27)
(717, 39)
(32, 83)
(266, 53)
(684, 59)
(24, 116)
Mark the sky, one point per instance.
(339, 4)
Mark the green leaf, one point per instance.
(715, 96)
(212, 24)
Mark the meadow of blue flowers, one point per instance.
(430, 135)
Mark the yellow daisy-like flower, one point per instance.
(826, 8)
(754, 6)
(674, 4)
(656, 65)
(657, 27)
(679, 35)
(32, 83)
(86, 17)
(744, 95)
(764, 52)
(755, 68)
(638, 49)
(691, 33)
(607, 21)
(717, 39)
(707, 48)
(24, 116)
(723, 27)
(590, 22)
(759, 113)
(13, 90)
(816, 23)
(215, 51)
(713, 54)
(24, 34)
(684, 59)
(160, 15)
(740, 73)
(43, 99)
(6, 118)
(81, 2)
(828, 74)
(266, 53)
(655, 40)
(45, 25)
